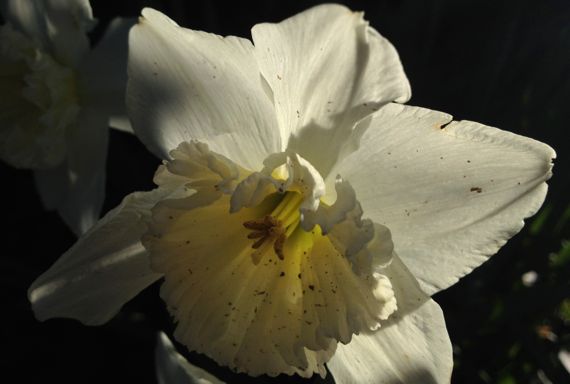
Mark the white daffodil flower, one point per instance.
(58, 98)
(301, 217)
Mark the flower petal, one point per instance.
(105, 268)
(413, 349)
(412, 346)
(173, 368)
(301, 55)
(186, 85)
(121, 123)
(102, 75)
(60, 26)
(28, 17)
(77, 187)
(451, 195)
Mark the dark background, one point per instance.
(502, 63)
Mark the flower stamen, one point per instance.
(278, 225)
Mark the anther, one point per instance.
(278, 246)
(255, 224)
(259, 242)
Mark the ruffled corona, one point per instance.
(37, 105)
(253, 289)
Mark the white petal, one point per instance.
(68, 23)
(327, 69)
(105, 268)
(102, 75)
(413, 349)
(173, 368)
(564, 357)
(451, 195)
(52, 185)
(412, 346)
(60, 26)
(186, 85)
(28, 17)
(77, 187)
(121, 123)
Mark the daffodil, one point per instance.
(302, 218)
(57, 99)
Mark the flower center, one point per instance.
(277, 226)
